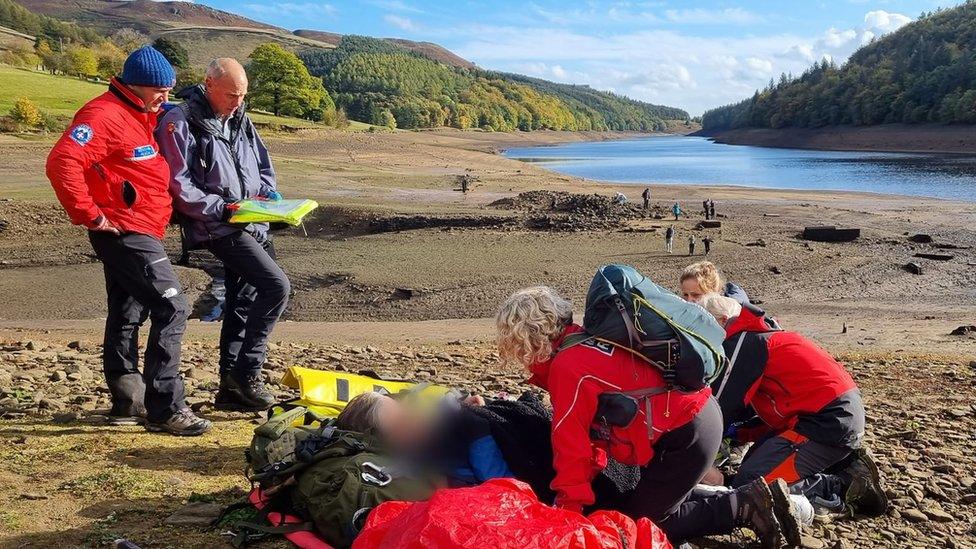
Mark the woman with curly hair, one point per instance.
(672, 436)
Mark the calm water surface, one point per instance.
(698, 161)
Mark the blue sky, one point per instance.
(693, 55)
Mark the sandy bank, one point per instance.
(889, 138)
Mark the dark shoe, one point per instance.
(247, 394)
(182, 423)
(786, 513)
(829, 510)
(129, 415)
(865, 495)
(756, 511)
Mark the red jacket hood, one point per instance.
(751, 319)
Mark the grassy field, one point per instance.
(63, 95)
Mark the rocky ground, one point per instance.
(399, 273)
(921, 428)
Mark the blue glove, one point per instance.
(274, 196)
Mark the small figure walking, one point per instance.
(676, 210)
(707, 242)
(669, 238)
(711, 209)
(691, 245)
(646, 195)
(705, 207)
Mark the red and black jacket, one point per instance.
(108, 163)
(790, 383)
(575, 379)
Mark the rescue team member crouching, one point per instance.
(107, 174)
(674, 451)
(812, 416)
(217, 159)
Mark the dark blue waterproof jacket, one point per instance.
(210, 170)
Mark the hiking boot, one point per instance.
(756, 511)
(182, 423)
(132, 415)
(829, 510)
(246, 394)
(786, 513)
(865, 495)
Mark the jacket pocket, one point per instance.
(129, 194)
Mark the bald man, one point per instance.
(217, 159)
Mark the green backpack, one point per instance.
(329, 477)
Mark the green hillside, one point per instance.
(381, 83)
(923, 73)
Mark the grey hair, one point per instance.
(719, 306)
(361, 414)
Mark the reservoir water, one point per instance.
(698, 161)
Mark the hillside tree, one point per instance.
(173, 51)
(280, 83)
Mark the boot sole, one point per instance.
(785, 514)
(777, 542)
(865, 458)
(237, 407)
(124, 422)
(153, 428)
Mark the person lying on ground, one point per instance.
(457, 443)
(810, 410)
(673, 448)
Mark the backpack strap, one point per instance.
(728, 369)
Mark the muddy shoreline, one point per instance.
(925, 138)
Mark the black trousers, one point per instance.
(140, 283)
(680, 460)
(257, 293)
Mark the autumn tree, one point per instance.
(280, 83)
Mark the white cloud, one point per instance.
(400, 22)
(727, 16)
(885, 21)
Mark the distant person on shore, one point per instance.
(676, 210)
(646, 195)
(691, 245)
(669, 239)
(108, 175)
(707, 242)
(705, 208)
(711, 209)
(217, 158)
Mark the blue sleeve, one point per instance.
(487, 460)
(736, 292)
(177, 145)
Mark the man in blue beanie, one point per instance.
(107, 172)
(217, 159)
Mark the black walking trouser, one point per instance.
(256, 294)
(140, 283)
(680, 460)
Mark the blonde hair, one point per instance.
(720, 306)
(706, 274)
(528, 322)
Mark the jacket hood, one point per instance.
(751, 319)
(200, 113)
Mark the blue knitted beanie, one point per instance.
(147, 67)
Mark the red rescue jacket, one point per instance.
(107, 163)
(575, 378)
(782, 375)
